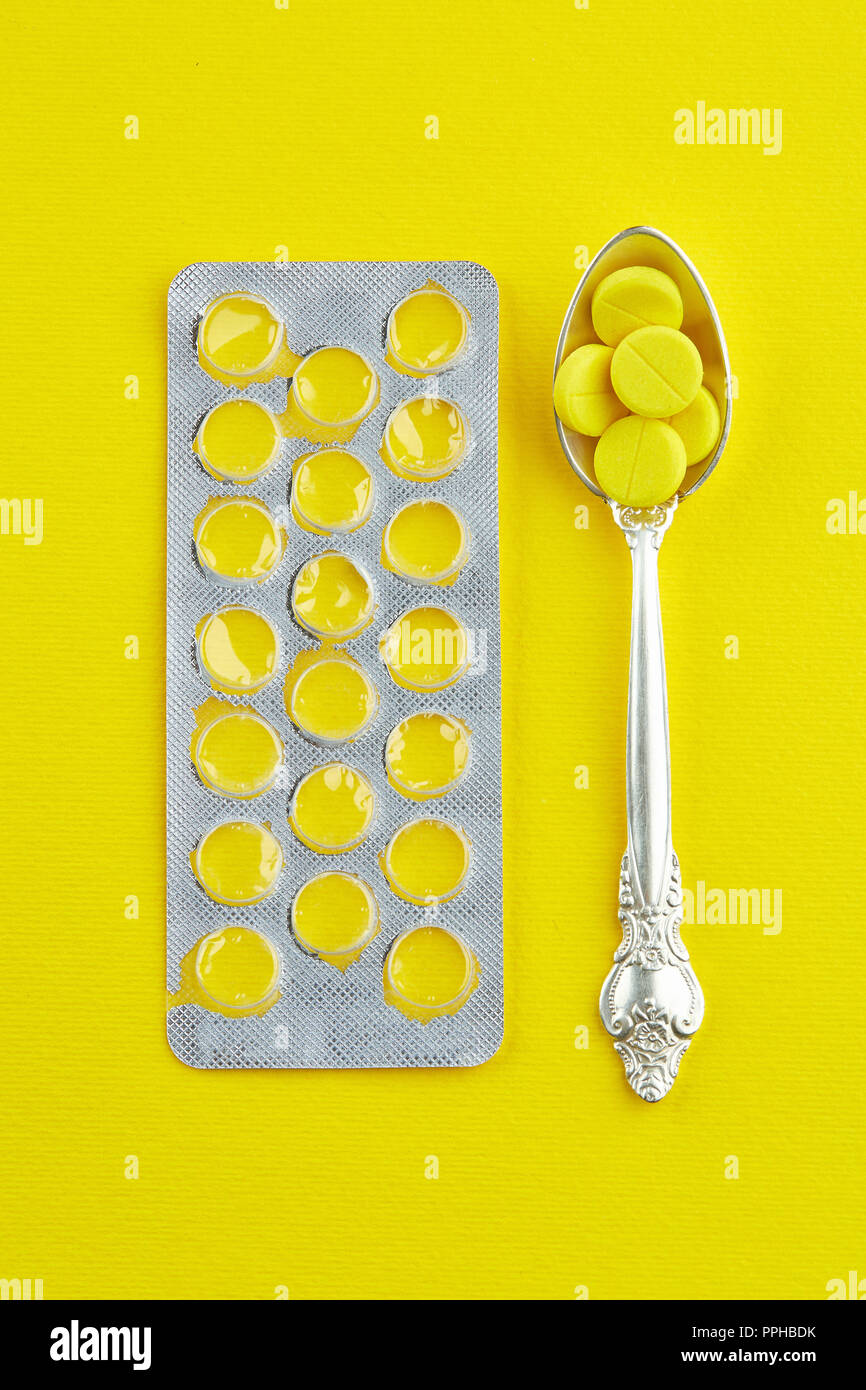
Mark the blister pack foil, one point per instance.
(321, 1016)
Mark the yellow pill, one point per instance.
(426, 542)
(583, 397)
(238, 650)
(656, 371)
(426, 861)
(699, 426)
(331, 491)
(240, 335)
(426, 649)
(427, 332)
(335, 386)
(332, 700)
(238, 541)
(237, 968)
(334, 916)
(427, 754)
(632, 298)
(238, 441)
(239, 754)
(639, 462)
(238, 863)
(332, 808)
(332, 596)
(429, 972)
(425, 438)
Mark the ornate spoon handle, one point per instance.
(651, 1002)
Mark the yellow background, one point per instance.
(261, 127)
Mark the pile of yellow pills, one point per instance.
(332, 808)
(425, 438)
(238, 862)
(238, 754)
(332, 596)
(639, 390)
(333, 800)
(427, 754)
(334, 916)
(426, 861)
(332, 490)
(238, 541)
(427, 332)
(237, 968)
(332, 699)
(238, 650)
(239, 441)
(429, 972)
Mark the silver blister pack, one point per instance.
(325, 1017)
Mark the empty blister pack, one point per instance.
(334, 876)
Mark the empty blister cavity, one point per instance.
(426, 649)
(237, 753)
(332, 808)
(238, 862)
(238, 541)
(429, 972)
(427, 332)
(334, 916)
(330, 697)
(425, 438)
(238, 441)
(332, 490)
(426, 543)
(426, 861)
(239, 339)
(427, 754)
(332, 596)
(238, 650)
(333, 390)
(238, 969)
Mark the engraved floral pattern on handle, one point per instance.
(651, 1002)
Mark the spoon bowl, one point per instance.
(646, 246)
(651, 1002)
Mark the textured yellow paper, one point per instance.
(540, 1173)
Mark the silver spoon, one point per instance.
(651, 1002)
